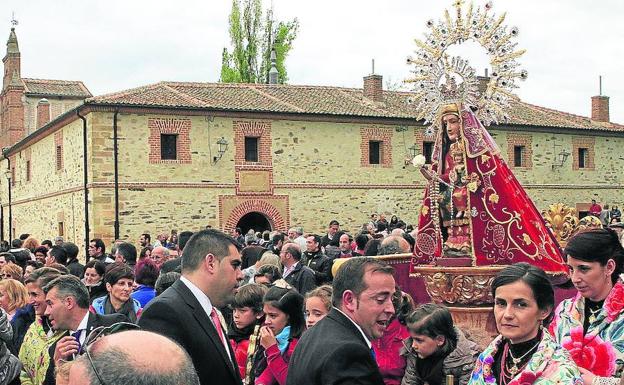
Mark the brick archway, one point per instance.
(265, 208)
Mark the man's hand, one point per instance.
(66, 347)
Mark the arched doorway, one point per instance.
(254, 220)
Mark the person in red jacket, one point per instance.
(246, 315)
(391, 364)
(283, 325)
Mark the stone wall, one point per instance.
(308, 173)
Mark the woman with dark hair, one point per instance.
(524, 352)
(119, 280)
(284, 322)
(146, 275)
(94, 279)
(146, 252)
(267, 275)
(391, 363)
(436, 348)
(394, 223)
(372, 247)
(591, 325)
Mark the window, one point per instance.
(27, 171)
(582, 157)
(427, 151)
(168, 146)
(59, 157)
(374, 152)
(518, 156)
(251, 149)
(61, 229)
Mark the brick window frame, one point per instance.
(58, 150)
(180, 127)
(589, 144)
(254, 129)
(377, 134)
(525, 141)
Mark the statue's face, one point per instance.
(451, 122)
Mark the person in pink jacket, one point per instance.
(391, 364)
(283, 325)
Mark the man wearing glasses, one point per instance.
(132, 357)
(187, 311)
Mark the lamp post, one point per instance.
(9, 177)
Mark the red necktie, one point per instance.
(217, 323)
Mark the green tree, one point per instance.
(252, 40)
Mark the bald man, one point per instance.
(134, 358)
(394, 244)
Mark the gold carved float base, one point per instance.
(466, 291)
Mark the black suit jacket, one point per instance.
(333, 352)
(94, 321)
(178, 315)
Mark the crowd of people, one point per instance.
(278, 308)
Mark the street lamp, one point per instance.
(223, 145)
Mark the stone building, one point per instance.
(187, 155)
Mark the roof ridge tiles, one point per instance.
(188, 97)
(278, 100)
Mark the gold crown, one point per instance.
(449, 109)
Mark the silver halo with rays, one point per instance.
(441, 79)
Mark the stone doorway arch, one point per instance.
(254, 220)
(274, 209)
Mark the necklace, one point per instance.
(593, 315)
(516, 361)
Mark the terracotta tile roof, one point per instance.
(317, 100)
(46, 87)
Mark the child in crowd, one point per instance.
(318, 303)
(391, 363)
(283, 325)
(247, 314)
(436, 348)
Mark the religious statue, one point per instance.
(474, 208)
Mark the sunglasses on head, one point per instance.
(103, 331)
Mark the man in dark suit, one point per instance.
(67, 300)
(337, 350)
(187, 311)
(296, 273)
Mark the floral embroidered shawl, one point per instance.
(549, 365)
(601, 350)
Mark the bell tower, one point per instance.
(11, 98)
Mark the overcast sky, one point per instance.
(119, 44)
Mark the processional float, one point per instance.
(475, 217)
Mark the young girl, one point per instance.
(283, 325)
(317, 304)
(246, 315)
(436, 348)
(387, 348)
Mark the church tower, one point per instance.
(11, 98)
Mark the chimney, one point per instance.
(600, 108)
(273, 73)
(43, 112)
(373, 87)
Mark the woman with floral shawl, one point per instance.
(524, 353)
(591, 325)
